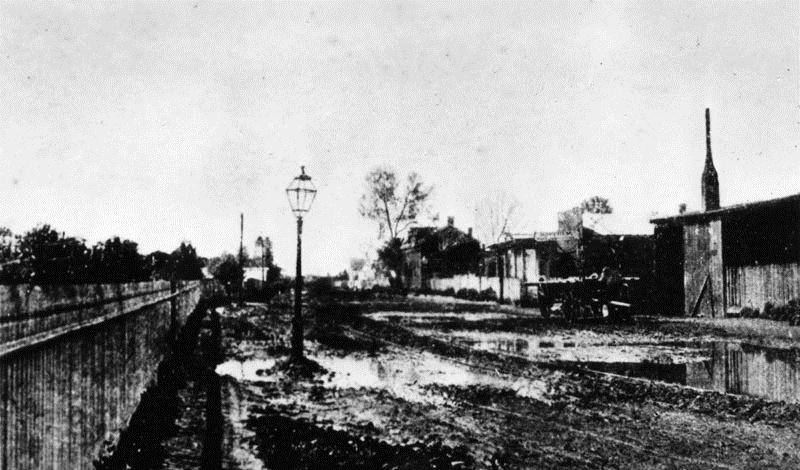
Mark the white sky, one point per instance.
(160, 122)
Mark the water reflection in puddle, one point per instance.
(734, 368)
(725, 367)
(422, 317)
(402, 374)
(745, 369)
(567, 348)
(247, 370)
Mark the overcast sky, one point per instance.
(161, 122)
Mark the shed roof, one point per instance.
(696, 216)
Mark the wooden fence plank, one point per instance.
(74, 361)
(755, 285)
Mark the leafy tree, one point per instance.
(357, 264)
(47, 257)
(596, 205)
(274, 275)
(266, 250)
(118, 260)
(228, 271)
(158, 265)
(185, 264)
(394, 206)
(9, 264)
(390, 260)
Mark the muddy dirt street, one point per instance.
(428, 383)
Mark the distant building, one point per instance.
(719, 260)
(365, 278)
(438, 252)
(583, 245)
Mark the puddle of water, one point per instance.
(431, 317)
(735, 368)
(752, 370)
(568, 348)
(406, 375)
(726, 367)
(402, 374)
(246, 370)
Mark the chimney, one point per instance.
(469, 231)
(450, 221)
(710, 181)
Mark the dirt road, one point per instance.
(415, 383)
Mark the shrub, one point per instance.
(789, 311)
(320, 287)
(749, 312)
(768, 311)
(488, 295)
(450, 292)
(425, 290)
(527, 299)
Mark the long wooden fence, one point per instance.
(74, 361)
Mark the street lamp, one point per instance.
(301, 193)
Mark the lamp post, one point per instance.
(301, 193)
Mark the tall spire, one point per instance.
(710, 182)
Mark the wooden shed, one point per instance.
(717, 261)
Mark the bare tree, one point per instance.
(393, 206)
(495, 214)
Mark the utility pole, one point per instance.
(263, 261)
(241, 257)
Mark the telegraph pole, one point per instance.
(241, 257)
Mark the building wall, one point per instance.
(412, 271)
(668, 295)
(753, 286)
(522, 264)
(702, 261)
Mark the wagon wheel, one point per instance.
(544, 306)
(570, 306)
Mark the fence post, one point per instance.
(173, 310)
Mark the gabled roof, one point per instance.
(442, 237)
(717, 213)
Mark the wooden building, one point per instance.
(718, 260)
(438, 252)
(578, 248)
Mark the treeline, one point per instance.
(229, 270)
(43, 255)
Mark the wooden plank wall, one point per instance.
(753, 286)
(703, 260)
(74, 361)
